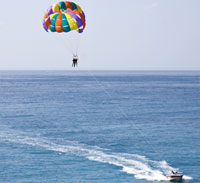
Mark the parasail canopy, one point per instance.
(64, 16)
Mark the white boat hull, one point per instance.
(175, 177)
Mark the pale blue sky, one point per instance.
(120, 35)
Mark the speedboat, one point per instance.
(175, 177)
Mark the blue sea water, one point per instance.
(99, 126)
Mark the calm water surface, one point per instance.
(102, 127)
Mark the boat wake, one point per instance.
(137, 165)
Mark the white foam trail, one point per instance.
(140, 166)
(187, 177)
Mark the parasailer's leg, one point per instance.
(74, 63)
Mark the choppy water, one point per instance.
(97, 126)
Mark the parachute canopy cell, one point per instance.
(64, 16)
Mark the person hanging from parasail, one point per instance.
(75, 60)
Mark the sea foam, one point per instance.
(139, 166)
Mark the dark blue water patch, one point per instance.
(17, 116)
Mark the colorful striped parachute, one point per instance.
(64, 16)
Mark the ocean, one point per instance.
(99, 126)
